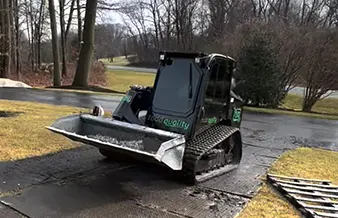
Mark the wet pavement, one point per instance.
(135, 69)
(75, 99)
(81, 183)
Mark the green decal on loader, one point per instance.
(126, 98)
(176, 124)
(169, 123)
(236, 117)
(212, 120)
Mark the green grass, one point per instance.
(323, 109)
(119, 80)
(291, 113)
(25, 135)
(301, 162)
(119, 61)
(328, 105)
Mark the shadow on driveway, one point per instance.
(79, 182)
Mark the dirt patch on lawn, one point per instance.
(5, 114)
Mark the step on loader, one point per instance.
(189, 120)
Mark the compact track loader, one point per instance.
(190, 123)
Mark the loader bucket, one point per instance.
(126, 138)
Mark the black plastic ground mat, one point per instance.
(313, 197)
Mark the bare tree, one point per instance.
(79, 22)
(70, 18)
(109, 40)
(56, 58)
(184, 25)
(12, 29)
(87, 50)
(35, 16)
(62, 34)
(320, 71)
(5, 38)
(218, 11)
(39, 25)
(17, 38)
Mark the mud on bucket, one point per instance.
(132, 139)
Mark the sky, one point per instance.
(107, 16)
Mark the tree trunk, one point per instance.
(56, 59)
(307, 106)
(63, 44)
(2, 42)
(38, 52)
(79, 23)
(7, 31)
(308, 100)
(87, 50)
(13, 44)
(177, 24)
(29, 56)
(38, 30)
(33, 35)
(70, 18)
(125, 50)
(17, 40)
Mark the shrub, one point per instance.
(258, 67)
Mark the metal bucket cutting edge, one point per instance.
(163, 146)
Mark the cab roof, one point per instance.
(193, 55)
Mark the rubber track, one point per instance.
(199, 145)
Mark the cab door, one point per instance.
(217, 90)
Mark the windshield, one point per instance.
(172, 90)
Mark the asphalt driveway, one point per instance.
(81, 183)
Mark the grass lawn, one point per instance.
(120, 80)
(327, 106)
(120, 61)
(25, 135)
(292, 113)
(301, 162)
(325, 109)
(117, 81)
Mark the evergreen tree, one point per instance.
(259, 69)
